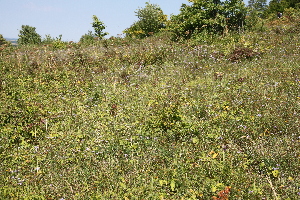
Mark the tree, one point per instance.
(3, 40)
(212, 16)
(28, 35)
(235, 12)
(151, 20)
(279, 6)
(98, 27)
(256, 14)
(257, 6)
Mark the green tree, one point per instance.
(212, 16)
(256, 14)
(3, 40)
(99, 27)
(28, 35)
(276, 6)
(257, 7)
(151, 20)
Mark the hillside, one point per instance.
(153, 118)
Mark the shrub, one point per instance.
(88, 38)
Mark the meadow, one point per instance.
(207, 118)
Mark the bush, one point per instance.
(56, 43)
(88, 38)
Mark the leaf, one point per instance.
(275, 173)
(214, 188)
(123, 185)
(172, 184)
(215, 155)
(163, 182)
(195, 140)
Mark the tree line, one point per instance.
(200, 16)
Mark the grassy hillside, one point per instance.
(153, 119)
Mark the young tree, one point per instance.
(213, 16)
(98, 27)
(151, 20)
(28, 35)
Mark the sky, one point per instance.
(73, 18)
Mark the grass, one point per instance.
(152, 119)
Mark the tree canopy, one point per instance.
(28, 35)
(151, 20)
(213, 16)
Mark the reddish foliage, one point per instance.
(223, 194)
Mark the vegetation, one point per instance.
(88, 38)
(98, 27)
(3, 41)
(209, 16)
(153, 118)
(28, 35)
(151, 20)
(279, 6)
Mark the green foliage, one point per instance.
(257, 7)
(276, 6)
(56, 43)
(3, 41)
(153, 118)
(151, 21)
(98, 27)
(88, 38)
(215, 17)
(28, 35)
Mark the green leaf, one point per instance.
(172, 184)
(163, 182)
(275, 173)
(195, 140)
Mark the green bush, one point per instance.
(87, 39)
